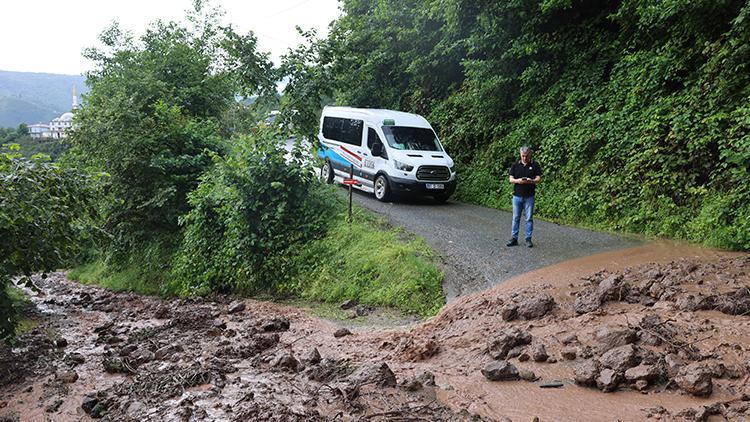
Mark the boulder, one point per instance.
(500, 371)
(67, 377)
(613, 288)
(506, 340)
(673, 363)
(373, 373)
(236, 306)
(74, 359)
(311, 357)
(588, 302)
(646, 373)
(569, 353)
(275, 324)
(285, 361)
(695, 379)
(620, 358)
(509, 313)
(527, 375)
(611, 336)
(341, 332)
(536, 306)
(539, 353)
(608, 380)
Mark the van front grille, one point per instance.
(433, 173)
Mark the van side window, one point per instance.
(372, 137)
(343, 130)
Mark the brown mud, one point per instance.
(664, 329)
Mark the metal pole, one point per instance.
(351, 177)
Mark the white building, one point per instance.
(57, 127)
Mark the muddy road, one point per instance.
(471, 241)
(656, 332)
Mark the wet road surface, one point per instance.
(471, 241)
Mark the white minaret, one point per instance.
(75, 99)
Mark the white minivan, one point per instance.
(388, 151)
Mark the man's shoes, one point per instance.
(512, 242)
(529, 243)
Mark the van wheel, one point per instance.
(326, 172)
(441, 199)
(382, 189)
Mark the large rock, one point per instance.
(588, 302)
(506, 340)
(373, 373)
(539, 353)
(695, 379)
(311, 357)
(536, 306)
(285, 361)
(275, 324)
(620, 358)
(608, 380)
(586, 373)
(642, 372)
(610, 337)
(500, 371)
(613, 288)
(67, 377)
(236, 306)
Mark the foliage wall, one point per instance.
(46, 216)
(638, 109)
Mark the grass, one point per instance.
(131, 279)
(367, 261)
(372, 264)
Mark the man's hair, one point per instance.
(525, 148)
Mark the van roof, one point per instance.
(375, 116)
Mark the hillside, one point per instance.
(27, 97)
(637, 110)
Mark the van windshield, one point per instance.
(411, 138)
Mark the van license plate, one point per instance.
(435, 186)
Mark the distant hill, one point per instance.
(27, 97)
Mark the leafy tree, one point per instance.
(46, 215)
(155, 114)
(251, 206)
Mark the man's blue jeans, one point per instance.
(527, 204)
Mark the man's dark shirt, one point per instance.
(518, 170)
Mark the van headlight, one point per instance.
(402, 166)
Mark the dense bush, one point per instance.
(157, 109)
(637, 108)
(46, 215)
(249, 207)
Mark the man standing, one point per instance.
(524, 175)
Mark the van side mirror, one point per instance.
(377, 149)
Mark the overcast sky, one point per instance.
(49, 35)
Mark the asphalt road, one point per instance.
(471, 241)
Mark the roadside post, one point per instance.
(350, 182)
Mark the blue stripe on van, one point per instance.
(326, 152)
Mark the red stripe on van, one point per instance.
(352, 154)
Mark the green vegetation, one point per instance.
(637, 108)
(199, 200)
(46, 219)
(371, 264)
